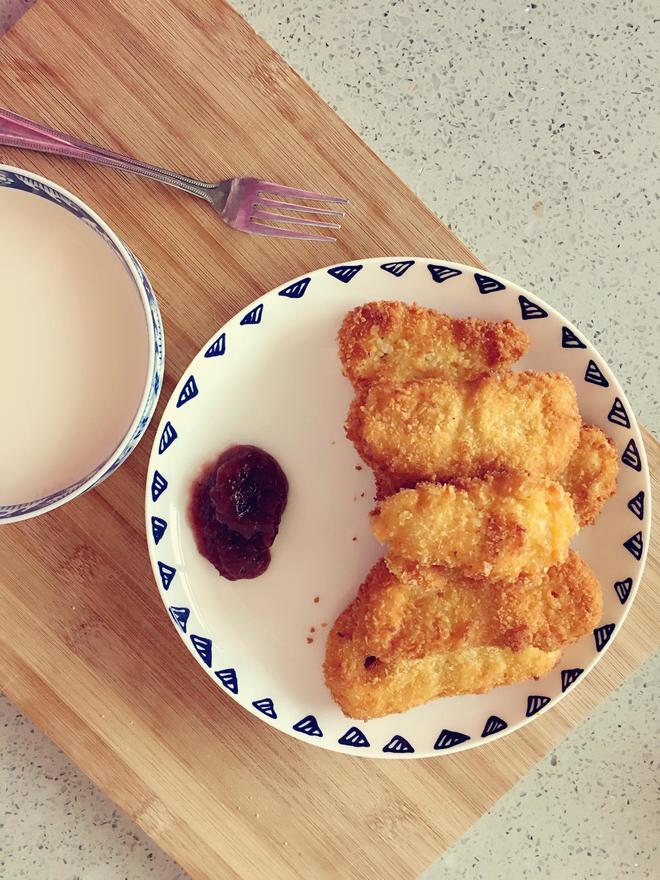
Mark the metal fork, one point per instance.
(245, 203)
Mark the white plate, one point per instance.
(271, 377)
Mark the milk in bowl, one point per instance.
(79, 347)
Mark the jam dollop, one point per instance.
(235, 510)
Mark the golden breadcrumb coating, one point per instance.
(590, 476)
(397, 342)
(431, 429)
(479, 588)
(445, 611)
(499, 527)
(414, 634)
(402, 683)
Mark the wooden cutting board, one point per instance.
(86, 649)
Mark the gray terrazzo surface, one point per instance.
(532, 129)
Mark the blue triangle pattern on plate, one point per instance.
(617, 415)
(594, 376)
(488, 285)
(180, 616)
(308, 725)
(570, 340)
(622, 589)
(168, 437)
(204, 647)
(493, 725)
(636, 505)
(602, 635)
(216, 348)
(167, 573)
(188, 391)
(631, 456)
(568, 676)
(296, 290)
(228, 678)
(530, 310)
(535, 702)
(158, 485)
(443, 273)
(254, 316)
(266, 707)
(635, 545)
(354, 737)
(449, 738)
(398, 269)
(158, 527)
(399, 745)
(345, 274)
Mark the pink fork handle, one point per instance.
(16, 131)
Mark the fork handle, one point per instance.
(16, 131)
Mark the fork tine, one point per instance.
(267, 186)
(259, 229)
(285, 218)
(294, 206)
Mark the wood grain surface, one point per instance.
(86, 649)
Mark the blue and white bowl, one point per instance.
(40, 188)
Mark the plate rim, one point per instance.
(473, 742)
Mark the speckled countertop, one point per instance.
(532, 129)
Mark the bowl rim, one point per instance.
(140, 284)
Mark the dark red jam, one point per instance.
(235, 511)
